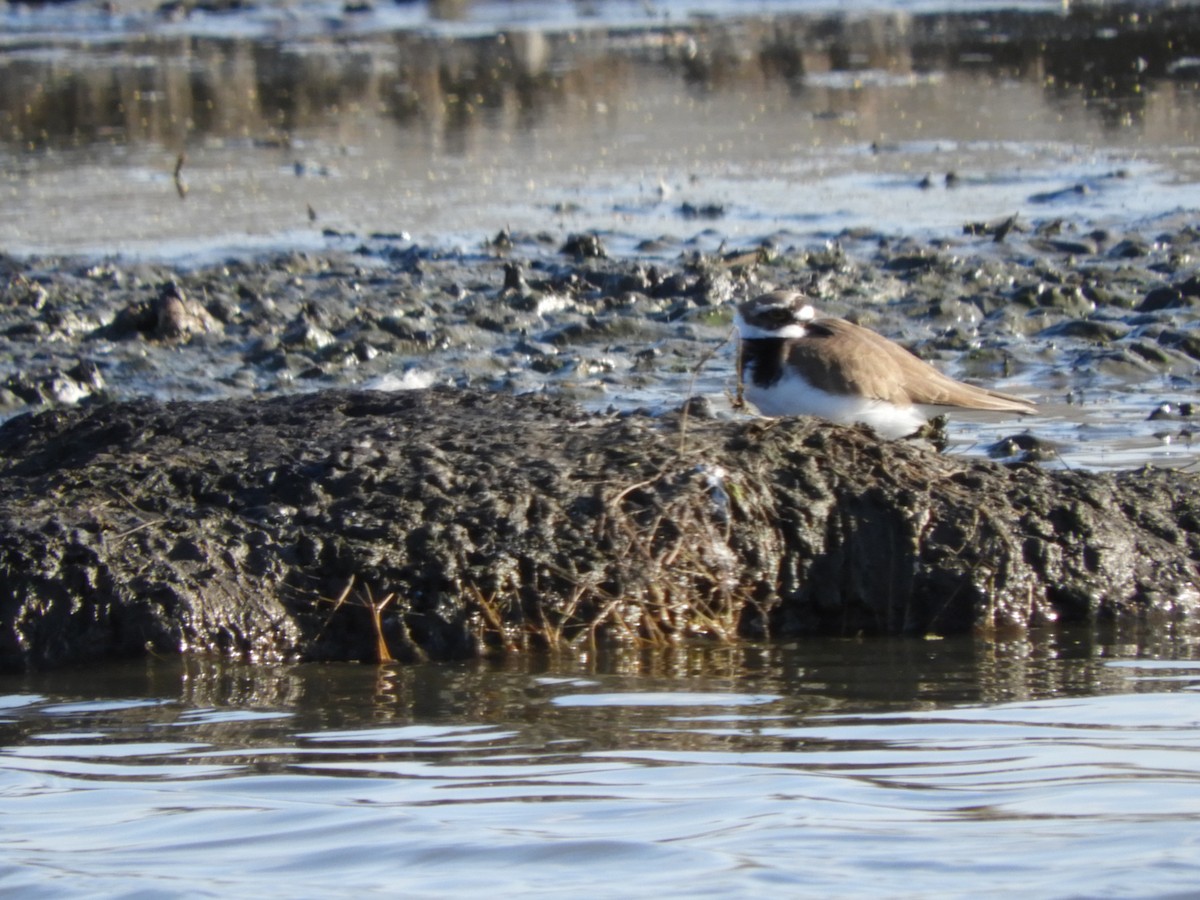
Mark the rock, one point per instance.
(1165, 298)
(171, 317)
(1188, 343)
(1023, 448)
(1130, 248)
(584, 246)
(1171, 411)
(702, 211)
(1073, 247)
(305, 335)
(1094, 330)
(491, 523)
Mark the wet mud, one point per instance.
(295, 519)
(199, 135)
(1098, 327)
(449, 523)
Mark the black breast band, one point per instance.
(766, 356)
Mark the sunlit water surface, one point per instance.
(1057, 767)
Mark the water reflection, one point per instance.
(788, 125)
(814, 767)
(172, 90)
(226, 704)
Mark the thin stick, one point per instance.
(181, 187)
(381, 647)
(487, 609)
(739, 399)
(691, 391)
(337, 604)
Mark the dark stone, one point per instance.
(917, 262)
(584, 246)
(702, 211)
(1088, 330)
(1162, 298)
(1132, 248)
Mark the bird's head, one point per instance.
(779, 314)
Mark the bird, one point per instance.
(794, 363)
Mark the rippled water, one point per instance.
(1052, 766)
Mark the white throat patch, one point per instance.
(750, 332)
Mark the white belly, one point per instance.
(793, 396)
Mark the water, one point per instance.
(360, 125)
(1057, 766)
(1053, 766)
(274, 19)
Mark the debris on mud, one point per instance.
(452, 523)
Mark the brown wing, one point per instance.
(844, 358)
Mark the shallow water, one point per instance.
(761, 127)
(1057, 766)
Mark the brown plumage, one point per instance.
(797, 364)
(843, 358)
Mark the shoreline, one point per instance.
(451, 524)
(1012, 201)
(799, 125)
(1099, 328)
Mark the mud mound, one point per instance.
(447, 523)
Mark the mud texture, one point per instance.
(529, 313)
(451, 523)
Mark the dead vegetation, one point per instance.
(449, 524)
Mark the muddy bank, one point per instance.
(1098, 326)
(448, 523)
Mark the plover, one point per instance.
(795, 363)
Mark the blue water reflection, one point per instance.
(1066, 768)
